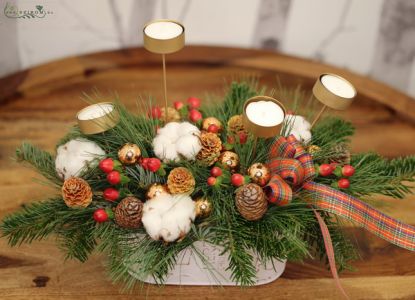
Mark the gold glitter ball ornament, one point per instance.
(129, 154)
(251, 202)
(129, 212)
(173, 115)
(76, 192)
(181, 181)
(203, 207)
(259, 174)
(155, 190)
(313, 149)
(229, 160)
(211, 121)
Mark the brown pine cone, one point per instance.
(251, 202)
(76, 192)
(181, 181)
(236, 125)
(211, 148)
(128, 212)
(341, 154)
(172, 114)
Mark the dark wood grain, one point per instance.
(39, 105)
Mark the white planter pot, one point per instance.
(190, 270)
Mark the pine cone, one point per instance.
(128, 212)
(76, 192)
(211, 148)
(341, 154)
(181, 181)
(251, 202)
(172, 114)
(236, 125)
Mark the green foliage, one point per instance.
(290, 232)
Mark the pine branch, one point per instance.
(40, 160)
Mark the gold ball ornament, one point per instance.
(211, 121)
(181, 181)
(173, 115)
(259, 174)
(313, 149)
(76, 192)
(229, 160)
(203, 207)
(155, 190)
(129, 154)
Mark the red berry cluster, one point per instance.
(191, 110)
(151, 164)
(219, 176)
(326, 170)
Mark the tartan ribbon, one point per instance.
(293, 169)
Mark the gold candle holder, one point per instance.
(263, 116)
(163, 37)
(333, 91)
(97, 118)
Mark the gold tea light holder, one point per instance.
(97, 118)
(333, 91)
(263, 117)
(163, 37)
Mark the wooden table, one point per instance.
(40, 105)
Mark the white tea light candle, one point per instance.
(338, 86)
(265, 113)
(97, 118)
(95, 111)
(163, 30)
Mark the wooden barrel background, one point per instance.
(39, 105)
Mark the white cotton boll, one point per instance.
(175, 140)
(299, 127)
(168, 217)
(188, 146)
(306, 136)
(171, 131)
(186, 127)
(74, 156)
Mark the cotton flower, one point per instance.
(299, 127)
(175, 140)
(168, 217)
(74, 156)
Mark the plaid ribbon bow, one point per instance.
(293, 169)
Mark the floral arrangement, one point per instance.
(153, 184)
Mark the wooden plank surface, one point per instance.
(40, 104)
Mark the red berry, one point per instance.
(155, 112)
(237, 179)
(144, 163)
(325, 170)
(211, 181)
(106, 165)
(213, 128)
(193, 102)
(114, 177)
(348, 170)
(178, 105)
(216, 171)
(343, 183)
(153, 164)
(230, 139)
(111, 194)
(243, 137)
(195, 115)
(100, 215)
